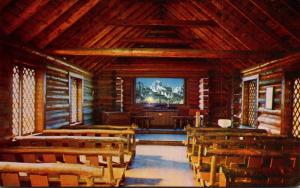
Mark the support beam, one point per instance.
(166, 23)
(160, 41)
(164, 53)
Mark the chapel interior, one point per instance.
(189, 93)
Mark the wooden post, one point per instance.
(212, 178)
(110, 170)
(197, 119)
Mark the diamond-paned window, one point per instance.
(74, 100)
(296, 108)
(23, 98)
(250, 103)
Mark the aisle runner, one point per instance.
(160, 166)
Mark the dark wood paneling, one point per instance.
(5, 96)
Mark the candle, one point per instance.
(197, 119)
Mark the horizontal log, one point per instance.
(57, 79)
(152, 52)
(57, 125)
(109, 127)
(269, 82)
(87, 131)
(52, 169)
(237, 134)
(73, 139)
(251, 152)
(160, 41)
(269, 119)
(56, 69)
(57, 106)
(169, 23)
(57, 97)
(262, 100)
(217, 129)
(50, 59)
(257, 172)
(57, 88)
(253, 142)
(60, 150)
(270, 128)
(268, 111)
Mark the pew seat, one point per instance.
(113, 175)
(15, 174)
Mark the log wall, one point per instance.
(57, 108)
(218, 102)
(274, 74)
(220, 89)
(5, 96)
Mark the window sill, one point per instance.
(77, 123)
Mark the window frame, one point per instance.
(21, 66)
(80, 88)
(244, 80)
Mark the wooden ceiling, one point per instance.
(94, 33)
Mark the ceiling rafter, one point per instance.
(214, 33)
(64, 22)
(251, 18)
(134, 34)
(4, 4)
(277, 18)
(176, 11)
(10, 21)
(231, 18)
(43, 18)
(210, 11)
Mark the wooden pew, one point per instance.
(130, 146)
(88, 156)
(276, 169)
(229, 140)
(76, 141)
(15, 174)
(193, 133)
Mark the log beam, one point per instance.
(166, 23)
(163, 53)
(161, 41)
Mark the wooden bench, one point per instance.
(228, 139)
(129, 147)
(276, 168)
(77, 141)
(47, 154)
(16, 174)
(193, 133)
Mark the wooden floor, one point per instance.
(160, 166)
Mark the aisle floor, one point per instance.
(160, 166)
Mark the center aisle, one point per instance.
(156, 165)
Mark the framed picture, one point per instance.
(269, 97)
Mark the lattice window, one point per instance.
(252, 103)
(249, 102)
(296, 109)
(23, 95)
(74, 100)
(119, 93)
(203, 93)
